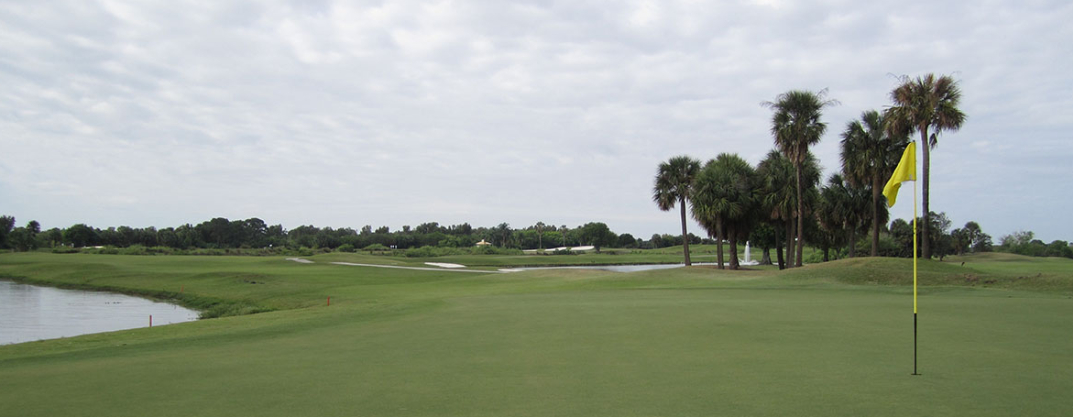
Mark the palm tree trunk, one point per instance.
(766, 259)
(733, 250)
(875, 215)
(925, 248)
(826, 257)
(852, 249)
(800, 215)
(778, 248)
(790, 243)
(719, 242)
(685, 235)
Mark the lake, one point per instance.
(29, 312)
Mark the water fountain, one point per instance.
(748, 256)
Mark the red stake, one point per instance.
(150, 320)
(329, 300)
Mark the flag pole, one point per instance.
(915, 269)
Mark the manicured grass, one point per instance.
(831, 340)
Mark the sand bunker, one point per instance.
(300, 260)
(445, 265)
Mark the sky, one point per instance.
(392, 113)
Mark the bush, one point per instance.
(375, 247)
(346, 247)
(491, 250)
(432, 251)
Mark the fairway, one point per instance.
(689, 341)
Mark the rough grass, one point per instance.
(826, 340)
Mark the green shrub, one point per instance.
(375, 247)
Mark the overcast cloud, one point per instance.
(397, 113)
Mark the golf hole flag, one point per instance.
(906, 171)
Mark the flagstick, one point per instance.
(915, 272)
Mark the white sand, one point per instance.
(445, 265)
(300, 260)
(415, 268)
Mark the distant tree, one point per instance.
(598, 235)
(540, 234)
(982, 243)
(764, 236)
(902, 234)
(845, 211)
(427, 228)
(7, 224)
(796, 126)
(503, 233)
(51, 237)
(941, 239)
(1017, 238)
(33, 227)
(80, 235)
(627, 240)
(674, 185)
(959, 241)
(656, 241)
(21, 239)
(375, 247)
(922, 104)
(1060, 248)
(460, 229)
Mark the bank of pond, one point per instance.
(29, 312)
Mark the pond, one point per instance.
(29, 312)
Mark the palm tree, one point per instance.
(724, 195)
(796, 125)
(540, 235)
(869, 155)
(845, 209)
(778, 195)
(920, 104)
(674, 184)
(777, 199)
(503, 232)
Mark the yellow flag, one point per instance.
(906, 171)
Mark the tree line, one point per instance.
(254, 233)
(780, 203)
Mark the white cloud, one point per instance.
(351, 113)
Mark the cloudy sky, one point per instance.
(396, 113)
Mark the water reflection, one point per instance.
(29, 313)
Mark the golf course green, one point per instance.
(831, 339)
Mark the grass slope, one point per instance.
(831, 339)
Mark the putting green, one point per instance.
(676, 342)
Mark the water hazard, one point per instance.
(29, 312)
